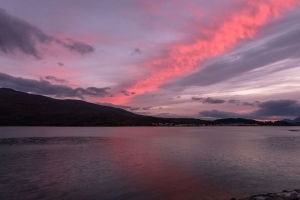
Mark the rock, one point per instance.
(270, 195)
(293, 196)
(259, 198)
(273, 198)
(284, 195)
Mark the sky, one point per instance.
(205, 59)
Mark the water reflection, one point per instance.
(140, 163)
(161, 179)
(283, 144)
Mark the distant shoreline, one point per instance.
(293, 130)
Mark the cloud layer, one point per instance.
(209, 42)
(269, 109)
(57, 80)
(44, 87)
(16, 34)
(284, 46)
(210, 100)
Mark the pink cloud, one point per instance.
(183, 58)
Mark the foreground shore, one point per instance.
(284, 195)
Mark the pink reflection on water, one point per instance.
(158, 177)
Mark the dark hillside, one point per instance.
(19, 108)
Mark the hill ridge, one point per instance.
(24, 109)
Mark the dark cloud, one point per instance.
(213, 101)
(279, 48)
(126, 93)
(133, 109)
(44, 87)
(94, 91)
(268, 109)
(222, 101)
(238, 102)
(16, 34)
(166, 115)
(58, 80)
(248, 104)
(278, 108)
(197, 99)
(146, 108)
(136, 51)
(233, 101)
(60, 64)
(75, 46)
(209, 100)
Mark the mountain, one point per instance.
(288, 120)
(296, 120)
(236, 121)
(19, 108)
(23, 109)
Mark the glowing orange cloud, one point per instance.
(181, 59)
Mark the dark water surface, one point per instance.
(147, 163)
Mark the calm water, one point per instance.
(147, 163)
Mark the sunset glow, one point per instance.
(198, 59)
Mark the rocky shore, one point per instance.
(284, 195)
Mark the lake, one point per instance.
(147, 162)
